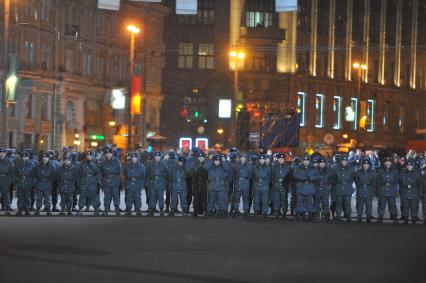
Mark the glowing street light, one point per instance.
(133, 29)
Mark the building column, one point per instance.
(397, 70)
(331, 36)
(366, 37)
(79, 119)
(286, 55)
(413, 49)
(348, 63)
(59, 117)
(382, 43)
(313, 53)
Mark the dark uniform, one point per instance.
(178, 174)
(306, 177)
(242, 175)
(157, 175)
(387, 182)
(410, 186)
(322, 192)
(45, 174)
(365, 181)
(217, 187)
(25, 179)
(279, 176)
(135, 174)
(111, 179)
(199, 180)
(7, 176)
(89, 173)
(261, 182)
(343, 179)
(67, 177)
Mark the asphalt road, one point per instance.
(184, 249)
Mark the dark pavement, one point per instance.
(184, 249)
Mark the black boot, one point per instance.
(395, 219)
(70, 212)
(62, 213)
(37, 212)
(128, 213)
(151, 212)
(380, 220)
(172, 212)
(96, 213)
(105, 213)
(359, 220)
(368, 219)
(7, 211)
(48, 212)
(161, 212)
(414, 220)
(19, 213)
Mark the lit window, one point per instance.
(337, 104)
(301, 107)
(319, 109)
(186, 52)
(351, 113)
(205, 56)
(371, 108)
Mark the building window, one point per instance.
(100, 68)
(319, 109)
(386, 116)
(205, 56)
(69, 60)
(337, 105)
(11, 139)
(46, 8)
(351, 113)
(46, 62)
(301, 107)
(87, 20)
(370, 115)
(29, 8)
(87, 64)
(205, 12)
(44, 107)
(401, 120)
(186, 53)
(29, 107)
(70, 114)
(101, 24)
(29, 52)
(259, 13)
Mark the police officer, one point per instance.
(322, 193)
(178, 174)
(7, 173)
(261, 181)
(242, 175)
(409, 186)
(387, 180)
(170, 162)
(55, 188)
(343, 179)
(89, 173)
(135, 174)
(67, 177)
(306, 177)
(218, 186)
(157, 175)
(199, 178)
(423, 193)
(45, 174)
(365, 181)
(111, 176)
(25, 178)
(279, 173)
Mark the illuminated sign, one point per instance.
(225, 106)
(96, 137)
(185, 143)
(118, 99)
(202, 143)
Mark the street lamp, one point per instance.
(133, 31)
(236, 56)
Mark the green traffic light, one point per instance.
(196, 114)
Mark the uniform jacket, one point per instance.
(134, 174)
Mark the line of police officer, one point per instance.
(215, 185)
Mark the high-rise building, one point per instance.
(353, 69)
(70, 55)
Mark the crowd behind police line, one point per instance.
(320, 187)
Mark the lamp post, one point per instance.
(360, 68)
(133, 31)
(236, 56)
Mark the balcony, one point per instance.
(260, 33)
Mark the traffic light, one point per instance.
(196, 114)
